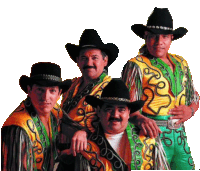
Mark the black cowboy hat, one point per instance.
(91, 39)
(44, 74)
(115, 92)
(159, 22)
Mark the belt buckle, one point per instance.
(171, 124)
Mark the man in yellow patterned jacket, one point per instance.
(29, 134)
(164, 82)
(92, 57)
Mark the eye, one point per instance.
(108, 110)
(122, 109)
(166, 36)
(39, 90)
(151, 36)
(84, 58)
(53, 90)
(95, 58)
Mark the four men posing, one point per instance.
(97, 108)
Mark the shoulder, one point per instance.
(57, 111)
(19, 117)
(180, 59)
(138, 62)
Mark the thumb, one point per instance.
(67, 152)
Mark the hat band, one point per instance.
(46, 77)
(115, 98)
(160, 27)
(88, 46)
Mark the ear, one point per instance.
(77, 59)
(105, 60)
(29, 89)
(129, 111)
(145, 34)
(60, 92)
(172, 36)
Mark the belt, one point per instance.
(164, 121)
(170, 123)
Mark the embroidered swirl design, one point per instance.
(154, 75)
(36, 148)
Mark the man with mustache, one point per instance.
(29, 134)
(164, 82)
(116, 144)
(92, 57)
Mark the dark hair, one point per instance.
(144, 51)
(31, 85)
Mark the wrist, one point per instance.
(192, 114)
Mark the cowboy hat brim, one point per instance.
(139, 29)
(134, 106)
(110, 49)
(24, 81)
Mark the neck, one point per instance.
(113, 134)
(86, 81)
(44, 117)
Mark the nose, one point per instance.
(159, 39)
(115, 113)
(45, 95)
(89, 62)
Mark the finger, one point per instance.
(175, 112)
(155, 128)
(73, 147)
(78, 143)
(179, 122)
(149, 131)
(85, 145)
(144, 129)
(67, 151)
(81, 147)
(177, 117)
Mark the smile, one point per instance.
(45, 104)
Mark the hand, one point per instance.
(79, 142)
(148, 127)
(182, 112)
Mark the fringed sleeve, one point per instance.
(132, 76)
(16, 150)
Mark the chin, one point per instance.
(45, 110)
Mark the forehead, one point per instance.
(45, 87)
(154, 34)
(90, 51)
(113, 105)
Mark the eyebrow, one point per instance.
(111, 106)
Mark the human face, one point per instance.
(158, 44)
(114, 118)
(43, 98)
(91, 63)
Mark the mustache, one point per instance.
(115, 119)
(86, 67)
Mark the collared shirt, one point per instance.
(153, 81)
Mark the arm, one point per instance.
(16, 149)
(75, 134)
(132, 76)
(185, 112)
